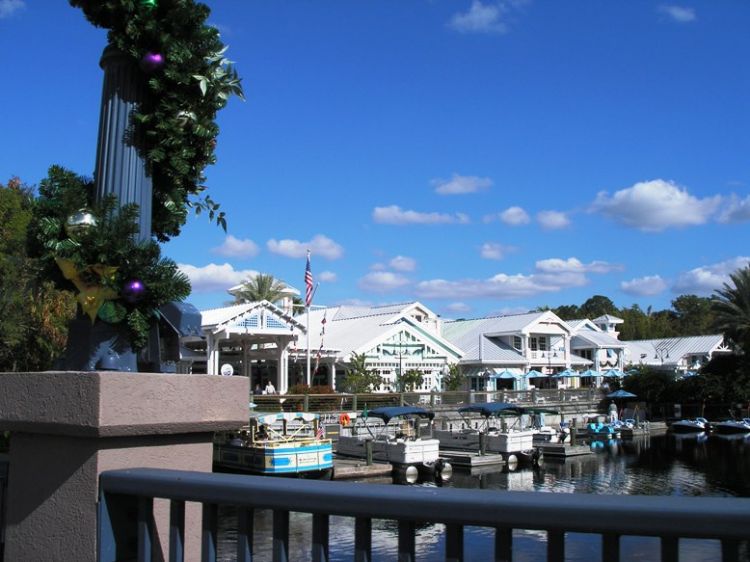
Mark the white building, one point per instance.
(678, 355)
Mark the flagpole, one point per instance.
(307, 330)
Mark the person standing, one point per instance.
(270, 389)
(612, 412)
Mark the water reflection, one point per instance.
(689, 465)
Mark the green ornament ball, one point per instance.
(112, 312)
(79, 223)
(148, 4)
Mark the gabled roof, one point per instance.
(214, 317)
(583, 324)
(357, 328)
(589, 338)
(608, 319)
(655, 352)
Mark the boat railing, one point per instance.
(123, 492)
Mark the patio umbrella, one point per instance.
(614, 373)
(591, 373)
(506, 374)
(534, 374)
(621, 394)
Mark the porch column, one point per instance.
(212, 354)
(245, 359)
(332, 373)
(282, 368)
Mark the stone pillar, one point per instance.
(68, 427)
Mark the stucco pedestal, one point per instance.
(68, 427)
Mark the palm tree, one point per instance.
(731, 304)
(262, 286)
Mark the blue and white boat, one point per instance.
(283, 444)
(697, 425)
(733, 426)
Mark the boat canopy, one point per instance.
(288, 416)
(492, 409)
(387, 413)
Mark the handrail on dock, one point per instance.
(669, 518)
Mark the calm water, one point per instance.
(659, 465)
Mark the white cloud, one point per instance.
(644, 286)
(494, 251)
(574, 265)
(458, 307)
(214, 277)
(552, 220)
(706, 279)
(393, 214)
(327, 276)
(515, 216)
(655, 205)
(403, 263)
(481, 18)
(735, 210)
(320, 246)
(382, 281)
(459, 185)
(680, 14)
(551, 275)
(9, 7)
(235, 248)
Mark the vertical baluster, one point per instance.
(145, 528)
(280, 536)
(407, 546)
(454, 543)
(555, 546)
(208, 539)
(503, 544)
(730, 550)
(320, 537)
(363, 539)
(611, 547)
(176, 531)
(670, 547)
(245, 530)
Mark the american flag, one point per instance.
(320, 433)
(308, 282)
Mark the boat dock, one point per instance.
(470, 459)
(348, 469)
(564, 450)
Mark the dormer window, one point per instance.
(517, 343)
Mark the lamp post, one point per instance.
(661, 352)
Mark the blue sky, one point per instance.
(479, 156)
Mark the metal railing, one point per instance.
(356, 402)
(669, 518)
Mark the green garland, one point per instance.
(176, 122)
(103, 255)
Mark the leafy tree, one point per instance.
(408, 380)
(731, 305)
(596, 306)
(359, 378)
(262, 286)
(650, 385)
(454, 380)
(694, 315)
(33, 314)
(568, 312)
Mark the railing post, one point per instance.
(306, 406)
(400, 398)
(354, 403)
(368, 452)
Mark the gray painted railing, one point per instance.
(670, 518)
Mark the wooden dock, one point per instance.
(564, 450)
(348, 469)
(470, 459)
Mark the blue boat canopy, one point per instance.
(492, 409)
(387, 413)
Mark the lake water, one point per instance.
(658, 465)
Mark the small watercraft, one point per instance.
(283, 444)
(733, 426)
(690, 426)
(394, 434)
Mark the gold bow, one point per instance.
(91, 297)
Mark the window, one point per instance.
(538, 343)
(517, 342)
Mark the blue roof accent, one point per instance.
(492, 409)
(387, 413)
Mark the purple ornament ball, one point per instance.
(151, 62)
(133, 291)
